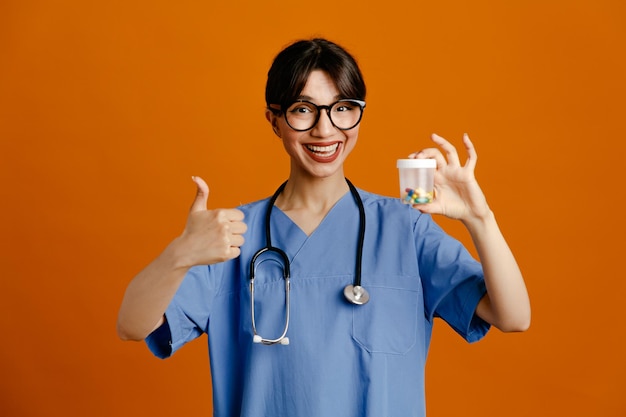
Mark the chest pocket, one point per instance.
(388, 322)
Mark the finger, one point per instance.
(202, 195)
(233, 252)
(430, 153)
(238, 228)
(472, 156)
(232, 215)
(236, 241)
(430, 208)
(424, 153)
(450, 150)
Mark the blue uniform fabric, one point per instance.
(343, 360)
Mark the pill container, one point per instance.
(417, 178)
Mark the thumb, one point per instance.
(202, 195)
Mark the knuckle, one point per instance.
(224, 239)
(220, 215)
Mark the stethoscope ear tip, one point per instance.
(258, 339)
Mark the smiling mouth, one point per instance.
(323, 151)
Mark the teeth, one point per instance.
(323, 149)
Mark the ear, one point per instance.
(273, 119)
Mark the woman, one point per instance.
(344, 359)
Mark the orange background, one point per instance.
(108, 108)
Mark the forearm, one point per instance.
(506, 305)
(210, 236)
(149, 294)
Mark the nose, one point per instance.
(324, 126)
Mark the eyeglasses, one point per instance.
(303, 115)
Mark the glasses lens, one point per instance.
(301, 115)
(346, 114)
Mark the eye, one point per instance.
(301, 108)
(344, 106)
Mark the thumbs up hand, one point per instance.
(211, 236)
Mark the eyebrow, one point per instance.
(309, 98)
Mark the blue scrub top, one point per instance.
(342, 360)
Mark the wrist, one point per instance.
(177, 256)
(480, 221)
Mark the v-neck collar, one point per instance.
(285, 230)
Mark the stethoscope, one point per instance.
(354, 293)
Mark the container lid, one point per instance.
(417, 163)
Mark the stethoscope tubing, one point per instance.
(354, 293)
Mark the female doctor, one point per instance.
(339, 286)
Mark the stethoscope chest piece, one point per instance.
(356, 294)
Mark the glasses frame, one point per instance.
(360, 103)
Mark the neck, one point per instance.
(316, 195)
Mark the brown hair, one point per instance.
(290, 71)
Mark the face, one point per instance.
(321, 151)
